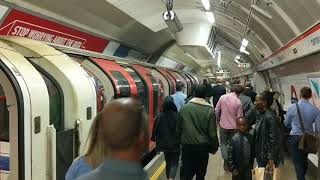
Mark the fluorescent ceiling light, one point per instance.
(243, 50)
(261, 11)
(210, 16)
(206, 4)
(245, 42)
(219, 59)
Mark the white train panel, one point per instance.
(35, 120)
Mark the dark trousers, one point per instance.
(244, 174)
(194, 162)
(172, 161)
(225, 136)
(299, 157)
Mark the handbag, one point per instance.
(308, 142)
(263, 174)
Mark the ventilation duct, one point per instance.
(198, 40)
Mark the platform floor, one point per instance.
(215, 170)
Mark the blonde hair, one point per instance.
(96, 152)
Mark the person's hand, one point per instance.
(235, 172)
(270, 164)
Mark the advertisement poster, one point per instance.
(18, 23)
(315, 87)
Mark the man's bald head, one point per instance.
(124, 120)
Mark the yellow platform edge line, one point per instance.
(158, 172)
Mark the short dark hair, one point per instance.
(267, 96)
(248, 85)
(180, 86)
(200, 91)
(238, 89)
(306, 92)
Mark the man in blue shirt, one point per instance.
(179, 97)
(310, 117)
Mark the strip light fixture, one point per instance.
(219, 59)
(244, 44)
(211, 17)
(206, 4)
(237, 59)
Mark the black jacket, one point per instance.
(164, 129)
(267, 137)
(251, 94)
(241, 152)
(217, 91)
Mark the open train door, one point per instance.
(24, 119)
(72, 101)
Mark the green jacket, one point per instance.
(196, 125)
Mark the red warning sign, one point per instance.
(21, 24)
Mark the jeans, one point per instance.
(299, 157)
(194, 162)
(172, 161)
(225, 136)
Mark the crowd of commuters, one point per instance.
(252, 129)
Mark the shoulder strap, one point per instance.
(300, 117)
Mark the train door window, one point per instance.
(155, 94)
(56, 103)
(123, 84)
(140, 86)
(101, 100)
(4, 117)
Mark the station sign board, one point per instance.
(244, 65)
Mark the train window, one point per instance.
(101, 100)
(155, 94)
(139, 83)
(4, 117)
(141, 86)
(56, 104)
(123, 84)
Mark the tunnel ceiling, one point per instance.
(139, 23)
(289, 19)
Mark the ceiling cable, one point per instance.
(248, 20)
(169, 5)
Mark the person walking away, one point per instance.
(218, 91)
(266, 133)
(209, 89)
(241, 153)
(124, 128)
(248, 108)
(249, 92)
(94, 156)
(310, 115)
(228, 110)
(164, 133)
(197, 134)
(179, 97)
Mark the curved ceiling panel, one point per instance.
(139, 23)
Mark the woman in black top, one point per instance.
(267, 133)
(164, 133)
